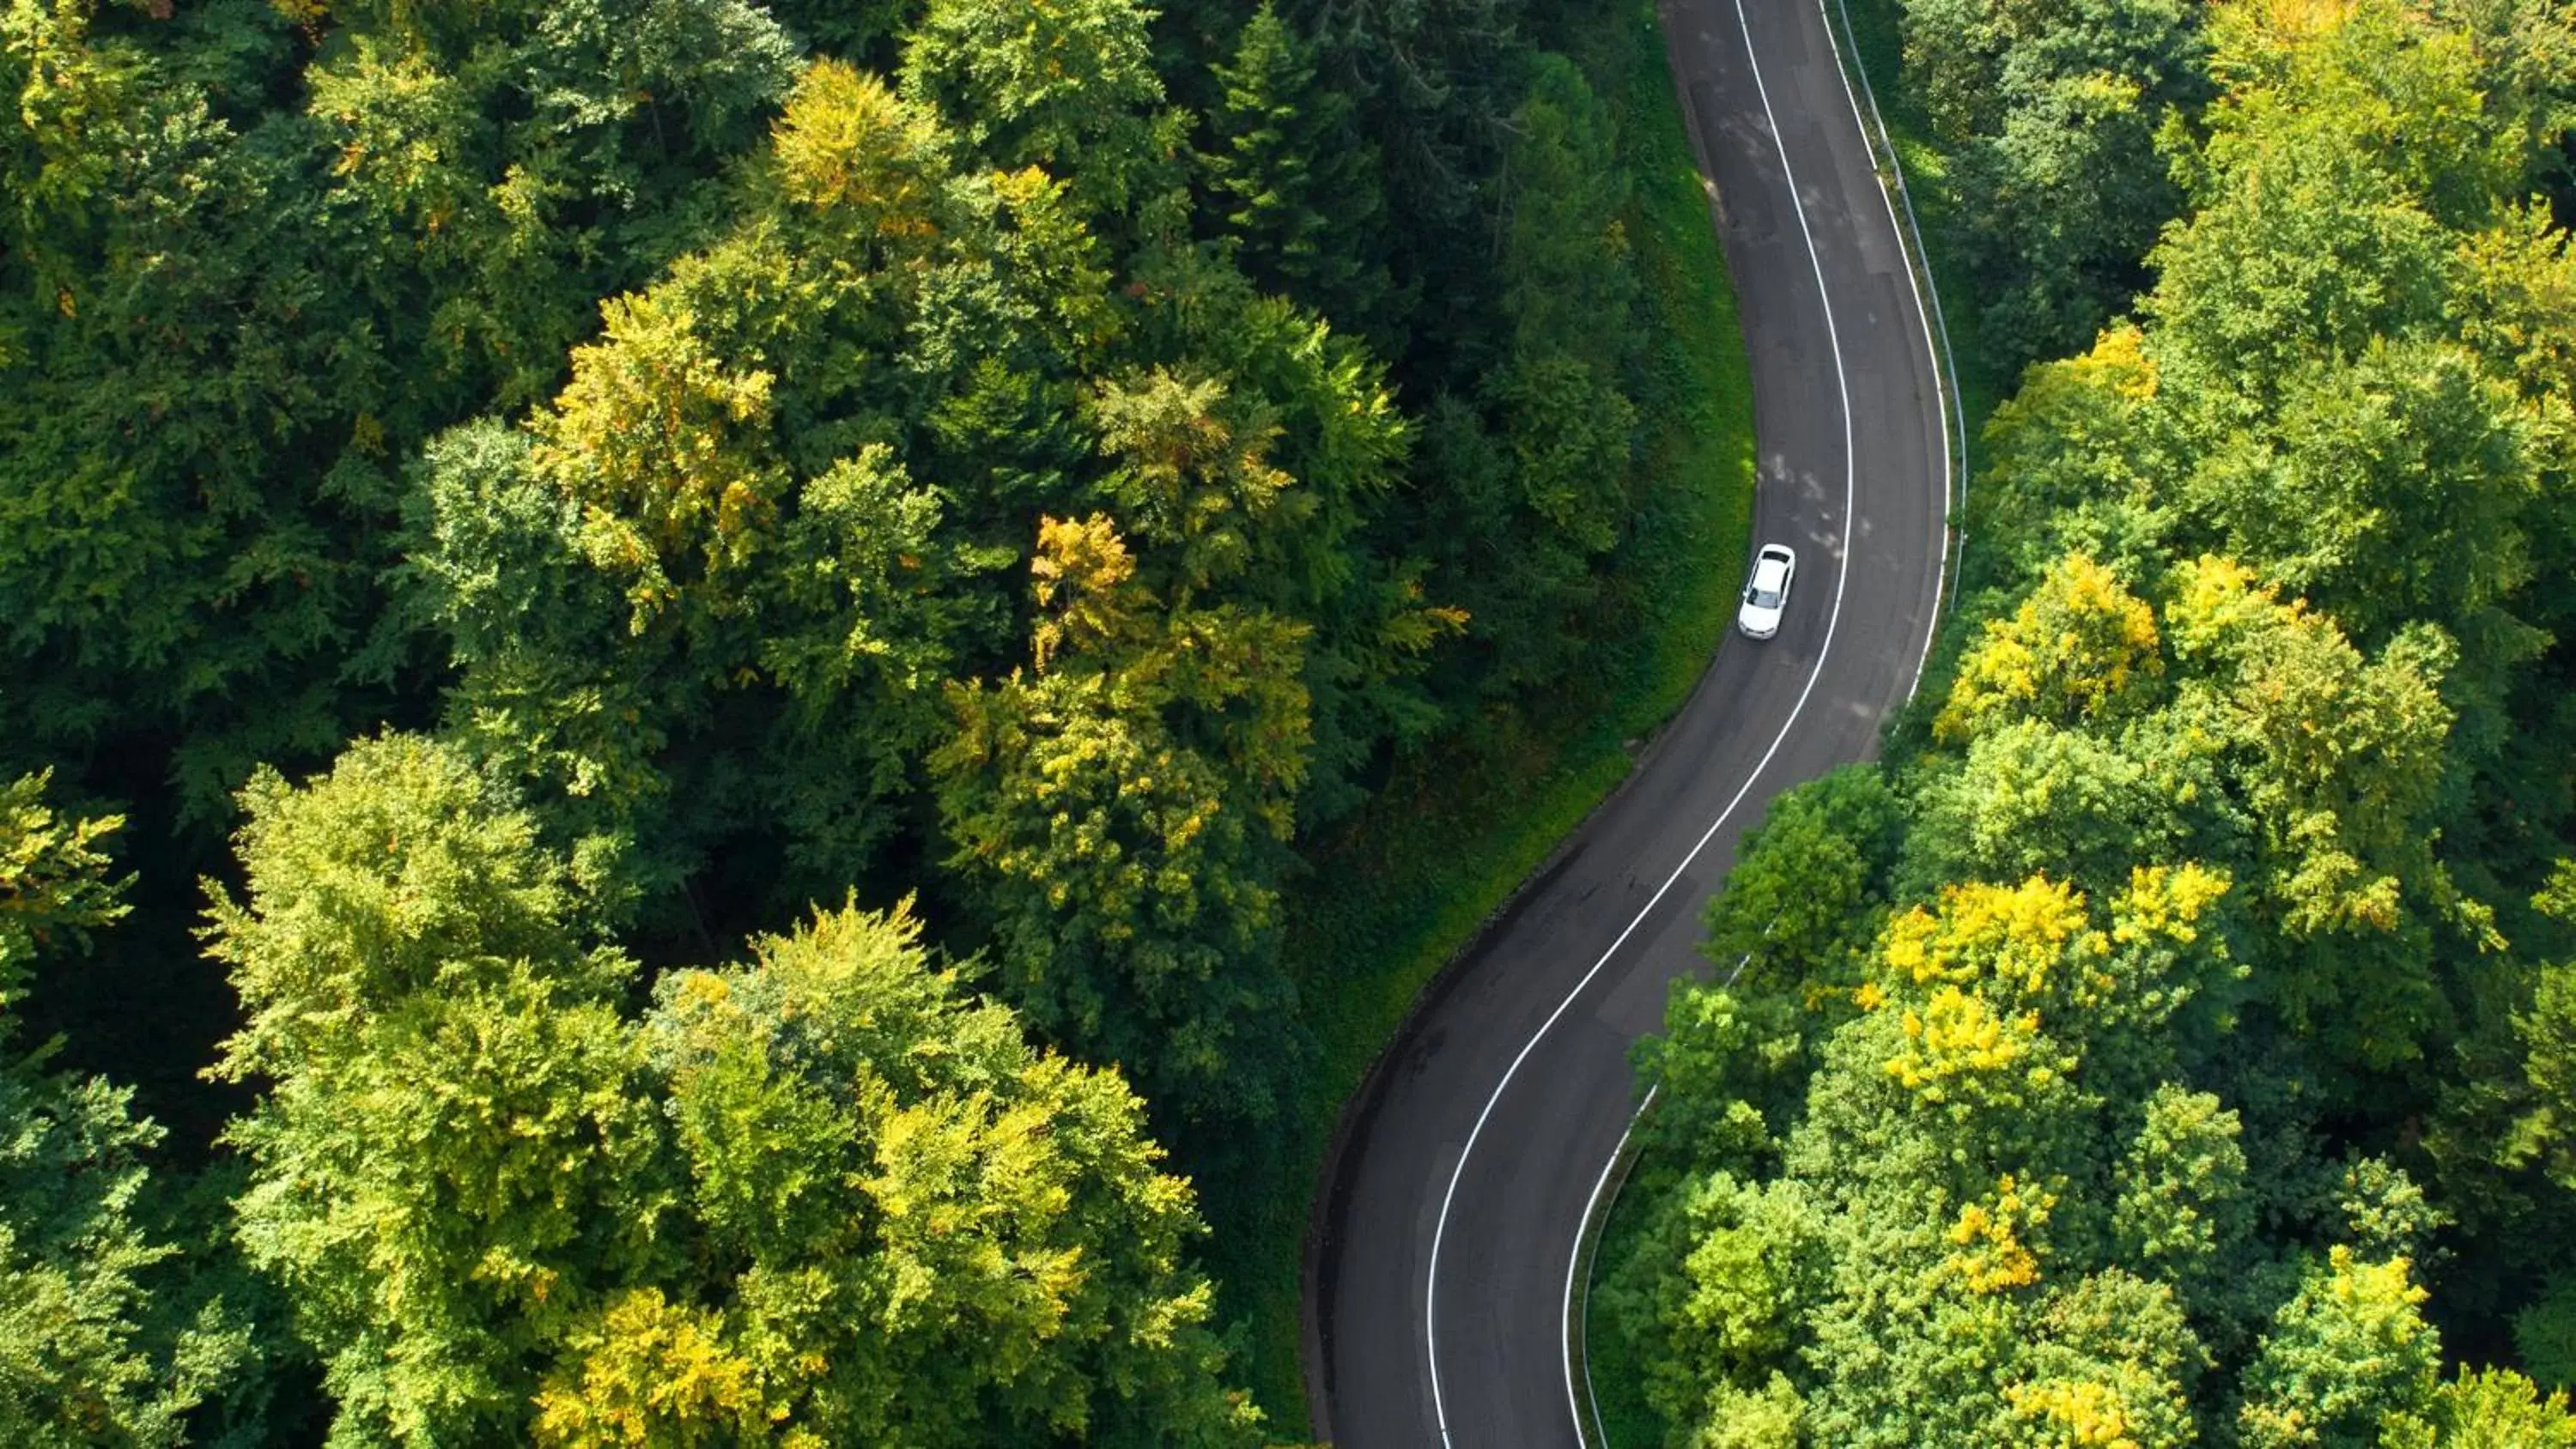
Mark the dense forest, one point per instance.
(665, 663)
(2169, 1041)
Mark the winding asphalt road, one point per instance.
(1439, 1262)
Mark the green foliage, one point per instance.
(2185, 1050)
(2185, 1214)
(228, 325)
(1300, 185)
(54, 887)
(2053, 108)
(672, 406)
(2349, 1361)
(1010, 1266)
(1063, 86)
(1800, 906)
(2548, 1033)
(2545, 1335)
(448, 1161)
(1117, 810)
(2494, 1408)
(823, 1195)
(98, 1341)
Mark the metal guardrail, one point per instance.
(1587, 1245)
(1588, 1428)
(1891, 167)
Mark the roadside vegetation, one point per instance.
(718, 714)
(2164, 1043)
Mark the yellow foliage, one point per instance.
(2118, 364)
(2365, 1290)
(2074, 649)
(846, 141)
(2166, 901)
(1956, 1038)
(2073, 1414)
(1992, 1256)
(654, 438)
(2260, 34)
(651, 1372)
(2014, 935)
(2216, 600)
(1082, 569)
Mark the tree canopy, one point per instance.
(825, 1195)
(2163, 1044)
(515, 504)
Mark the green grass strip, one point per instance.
(1616, 1362)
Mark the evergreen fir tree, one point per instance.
(1297, 185)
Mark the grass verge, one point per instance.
(1397, 895)
(1617, 1362)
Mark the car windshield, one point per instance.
(1768, 577)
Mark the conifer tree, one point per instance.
(96, 1343)
(1299, 187)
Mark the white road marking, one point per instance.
(1842, 575)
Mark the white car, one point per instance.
(1774, 566)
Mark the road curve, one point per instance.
(1437, 1263)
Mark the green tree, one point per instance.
(448, 1160)
(2349, 1361)
(1798, 908)
(1065, 87)
(97, 1342)
(2387, 488)
(2339, 758)
(2111, 1361)
(1300, 187)
(2063, 202)
(1933, 1258)
(2053, 107)
(2184, 1215)
(824, 1196)
(2031, 797)
(2545, 1099)
(1534, 456)
(2496, 1408)
(1119, 810)
(680, 602)
(903, 1224)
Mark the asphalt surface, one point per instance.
(1437, 1272)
